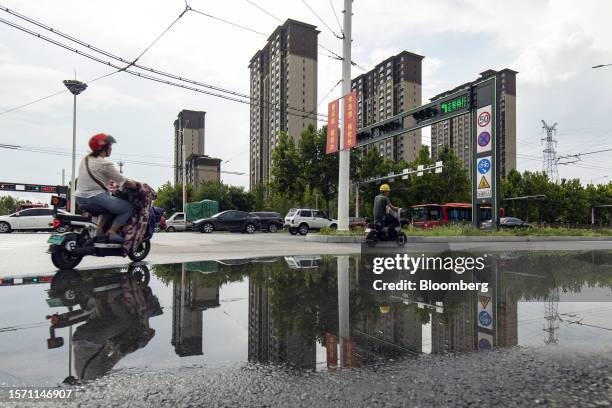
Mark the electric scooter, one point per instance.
(68, 249)
(376, 232)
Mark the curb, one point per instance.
(334, 239)
(531, 238)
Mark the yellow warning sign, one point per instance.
(484, 301)
(484, 183)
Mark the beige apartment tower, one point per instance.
(457, 132)
(189, 126)
(283, 92)
(392, 87)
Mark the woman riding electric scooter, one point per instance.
(97, 176)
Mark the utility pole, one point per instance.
(63, 177)
(549, 159)
(121, 167)
(75, 87)
(345, 154)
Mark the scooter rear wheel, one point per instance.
(64, 260)
(140, 253)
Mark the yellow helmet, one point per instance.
(385, 187)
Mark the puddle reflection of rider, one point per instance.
(119, 326)
(382, 205)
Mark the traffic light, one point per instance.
(425, 114)
(473, 97)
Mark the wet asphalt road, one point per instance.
(25, 253)
(511, 378)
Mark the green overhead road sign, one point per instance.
(448, 107)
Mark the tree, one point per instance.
(228, 197)
(453, 183)
(286, 167)
(8, 204)
(170, 197)
(319, 170)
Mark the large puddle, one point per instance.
(310, 312)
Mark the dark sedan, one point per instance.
(506, 222)
(270, 221)
(231, 220)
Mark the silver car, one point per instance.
(31, 219)
(178, 223)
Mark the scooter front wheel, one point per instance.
(64, 260)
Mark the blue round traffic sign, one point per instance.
(484, 318)
(484, 165)
(483, 139)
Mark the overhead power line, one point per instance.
(577, 156)
(322, 21)
(296, 111)
(228, 22)
(336, 15)
(265, 11)
(53, 152)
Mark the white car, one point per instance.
(303, 261)
(178, 223)
(32, 219)
(301, 220)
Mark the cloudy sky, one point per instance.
(552, 44)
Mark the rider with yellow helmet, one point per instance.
(382, 204)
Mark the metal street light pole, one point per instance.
(345, 154)
(602, 65)
(75, 87)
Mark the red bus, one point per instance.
(433, 215)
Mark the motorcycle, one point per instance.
(376, 232)
(110, 310)
(68, 249)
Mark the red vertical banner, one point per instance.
(331, 346)
(349, 348)
(332, 126)
(350, 120)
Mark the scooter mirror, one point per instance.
(55, 342)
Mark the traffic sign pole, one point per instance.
(484, 169)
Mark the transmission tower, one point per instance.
(549, 160)
(551, 316)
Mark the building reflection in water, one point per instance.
(297, 304)
(191, 297)
(268, 344)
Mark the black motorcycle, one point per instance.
(376, 232)
(68, 249)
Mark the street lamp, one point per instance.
(602, 65)
(75, 87)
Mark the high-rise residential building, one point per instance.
(393, 86)
(190, 126)
(283, 92)
(457, 132)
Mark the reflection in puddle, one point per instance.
(318, 312)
